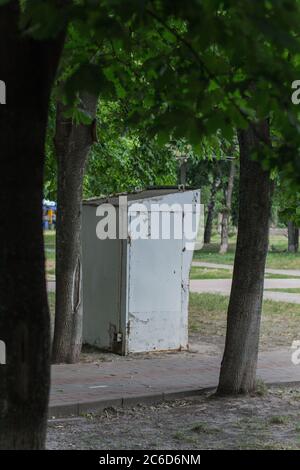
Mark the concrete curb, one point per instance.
(76, 409)
(68, 410)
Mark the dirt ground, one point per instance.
(269, 420)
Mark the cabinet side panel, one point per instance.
(101, 262)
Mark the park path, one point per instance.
(50, 285)
(223, 286)
(81, 388)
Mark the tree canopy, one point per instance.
(187, 70)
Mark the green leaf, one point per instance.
(88, 77)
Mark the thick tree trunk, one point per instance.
(238, 369)
(227, 210)
(210, 211)
(28, 68)
(293, 238)
(72, 143)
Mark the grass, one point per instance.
(278, 420)
(209, 273)
(261, 388)
(278, 257)
(292, 290)
(181, 436)
(198, 272)
(280, 321)
(51, 301)
(49, 240)
(201, 427)
(280, 276)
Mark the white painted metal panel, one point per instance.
(154, 304)
(101, 284)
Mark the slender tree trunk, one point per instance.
(238, 369)
(72, 143)
(293, 238)
(210, 211)
(227, 210)
(28, 68)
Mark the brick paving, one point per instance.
(83, 387)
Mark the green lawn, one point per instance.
(198, 272)
(49, 240)
(291, 290)
(280, 320)
(209, 273)
(51, 302)
(277, 258)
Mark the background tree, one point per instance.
(75, 132)
(72, 144)
(126, 158)
(227, 207)
(289, 211)
(293, 237)
(238, 369)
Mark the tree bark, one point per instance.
(72, 143)
(28, 68)
(211, 210)
(238, 369)
(227, 210)
(293, 238)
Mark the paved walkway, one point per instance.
(82, 388)
(50, 285)
(223, 286)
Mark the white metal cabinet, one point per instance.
(135, 291)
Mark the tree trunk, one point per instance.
(72, 143)
(293, 238)
(210, 211)
(227, 210)
(28, 68)
(238, 369)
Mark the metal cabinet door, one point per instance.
(154, 294)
